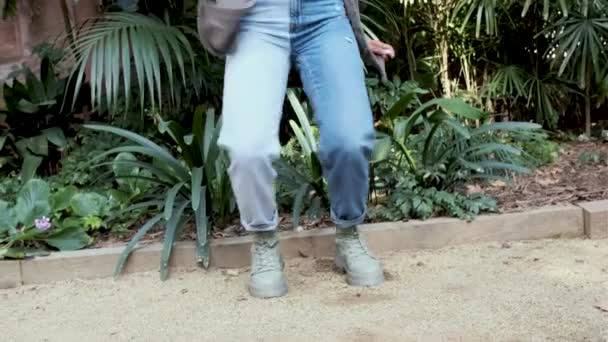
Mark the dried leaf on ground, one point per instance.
(603, 306)
(568, 180)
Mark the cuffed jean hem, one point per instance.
(342, 224)
(267, 227)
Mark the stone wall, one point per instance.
(37, 21)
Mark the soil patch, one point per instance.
(580, 174)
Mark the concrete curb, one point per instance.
(549, 222)
(596, 219)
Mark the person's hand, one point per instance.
(381, 49)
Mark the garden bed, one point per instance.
(580, 174)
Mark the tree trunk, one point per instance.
(445, 67)
(588, 114)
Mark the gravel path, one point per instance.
(525, 291)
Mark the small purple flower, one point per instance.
(43, 224)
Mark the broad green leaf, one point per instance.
(123, 170)
(12, 253)
(301, 138)
(170, 200)
(306, 136)
(163, 175)
(197, 183)
(298, 203)
(30, 165)
(38, 145)
(458, 127)
(69, 239)
(148, 205)
(32, 202)
(460, 108)
(507, 127)
(27, 107)
(400, 129)
(382, 149)
(428, 143)
(488, 148)
(55, 136)
(158, 152)
(178, 134)
(400, 106)
(88, 204)
(198, 126)
(21, 253)
(208, 134)
(202, 230)
(61, 199)
(171, 229)
(8, 221)
(133, 243)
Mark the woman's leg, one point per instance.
(254, 91)
(332, 73)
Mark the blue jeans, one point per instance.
(315, 36)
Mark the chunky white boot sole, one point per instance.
(279, 289)
(361, 279)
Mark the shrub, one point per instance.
(192, 186)
(426, 151)
(40, 220)
(33, 125)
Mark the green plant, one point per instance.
(579, 48)
(594, 157)
(384, 96)
(443, 152)
(9, 187)
(33, 125)
(538, 150)
(411, 200)
(39, 220)
(123, 48)
(185, 183)
(519, 91)
(300, 173)
(8, 8)
(74, 166)
(426, 151)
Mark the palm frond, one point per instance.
(507, 82)
(126, 48)
(579, 46)
(564, 6)
(484, 10)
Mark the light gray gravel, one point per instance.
(525, 291)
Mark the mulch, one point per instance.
(580, 174)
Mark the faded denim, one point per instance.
(314, 36)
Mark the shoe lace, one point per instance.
(265, 258)
(353, 247)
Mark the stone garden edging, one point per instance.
(570, 221)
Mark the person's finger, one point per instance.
(385, 46)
